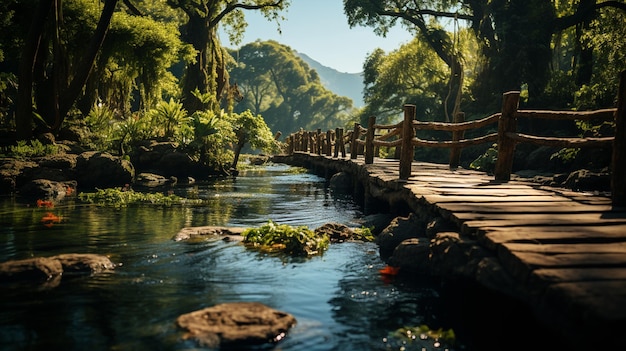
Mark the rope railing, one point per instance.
(402, 137)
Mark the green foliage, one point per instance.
(116, 197)
(34, 148)
(131, 130)
(100, 121)
(281, 87)
(412, 74)
(168, 119)
(252, 129)
(565, 155)
(140, 53)
(295, 241)
(487, 161)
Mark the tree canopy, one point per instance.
(518, 38)
(279, 85)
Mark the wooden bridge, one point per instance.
(562, 252)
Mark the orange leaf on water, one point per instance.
(390, 270)
(49, 219)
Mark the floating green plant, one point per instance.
(364, 234)
(123, 197)
(295, 241)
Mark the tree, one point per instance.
(251, 129)
(382, 15)
(412, 74)
(37, 69)
(134, 64)
(207, 73)
(280, 86)
(515, 35)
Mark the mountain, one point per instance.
(344, 84)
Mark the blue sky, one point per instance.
(319, 29)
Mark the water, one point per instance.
(339, 299)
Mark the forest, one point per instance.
(131, 70)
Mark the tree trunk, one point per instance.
(24, 108)
(81, 74)
(62, 98)
(197, 75)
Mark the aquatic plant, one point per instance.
(123, 197)
(295, 241)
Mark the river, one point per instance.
(340, 299)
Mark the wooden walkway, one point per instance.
(565, 251)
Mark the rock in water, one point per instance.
(236, 324)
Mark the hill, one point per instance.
(343, 84)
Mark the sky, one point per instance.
(319, 29)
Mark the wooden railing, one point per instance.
(402, 137)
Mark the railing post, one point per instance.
(342, 145)
(618, 160)
(318, 141)
(406, 151)
(354, 149)
(305, 141)
(506, 146)
(290, 144)
(337, 140)
(369, 141)
(327, 146)
(455, 152)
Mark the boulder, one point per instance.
(226, 233)
(36, 269)
(337, 233)
(236, 324)
(48, 270)
(103, 170)
(412, 255)
(400, 229)
(341, 182)
(151, 180)
(48, 189)
(84, 263)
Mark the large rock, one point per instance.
(48, 189)
(48, 270)
(237, 324)
(400, 229)
(103, 170)
(412, 255)
(226, 233)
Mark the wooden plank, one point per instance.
(556, 275)
(544, 218)
(520, 220)
(569, 248)
(481, 199)
(525, 207)
(521, 264)
(494, 236)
